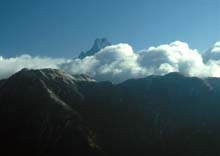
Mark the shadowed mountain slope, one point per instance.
(49, 112)
(35, 120)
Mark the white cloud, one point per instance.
(115, 63)
(216, 48)
(176, 56)
(213, 53)
(119, 62)
(9, 66)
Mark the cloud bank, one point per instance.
(120, 62)
(9, 66)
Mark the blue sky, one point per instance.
(64, 28)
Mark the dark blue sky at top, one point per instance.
(63, 28)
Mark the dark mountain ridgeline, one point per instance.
(36, 121)
(49, 112)
(169, 115)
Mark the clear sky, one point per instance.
(63, 28)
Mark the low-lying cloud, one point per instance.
(9, 66)
(120, 62)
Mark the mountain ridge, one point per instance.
(171, 115)
(37, 106)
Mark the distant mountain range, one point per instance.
(49, 113)
(99, 44)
